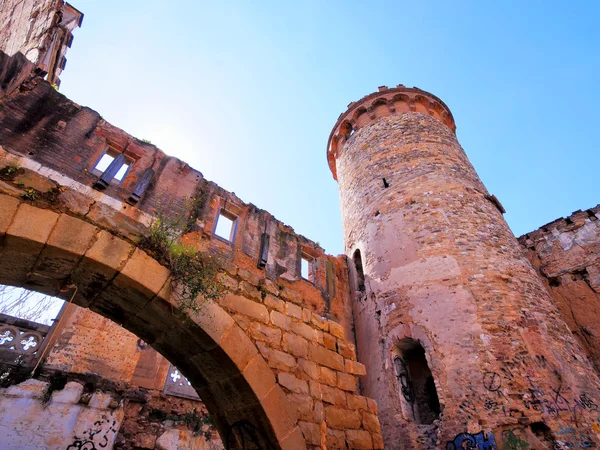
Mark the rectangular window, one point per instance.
(107, 159)
(226, 226)
(307, 268)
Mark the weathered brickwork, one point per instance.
(41, 30)
(444, 274)
(274, 358)
(566, 253)
(436, 322)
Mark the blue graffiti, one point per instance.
(467, 441)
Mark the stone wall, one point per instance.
(40, 30)
(566, 253)
(295, 332)
(36, 416)
(464, 346)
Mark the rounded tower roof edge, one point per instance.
(413, 99)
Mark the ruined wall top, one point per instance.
(41, 30)
(385, 102)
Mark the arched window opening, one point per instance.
(360, 275)
(418, 393)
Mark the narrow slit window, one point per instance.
(225, 227)
(360, 275)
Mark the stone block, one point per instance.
(342, 419)
(346, 382)
(33, 180)
(277, 407)
(30, 388)
(280, 320)
(68, 241)
(292, 383)
(359, 439)
(372, 405)
(320, 322)
(370, 422)
(214, 320)
(336, 329)
(330, 341)
(303, 404)
(321, 355)
(306, 314)
(32, 226)
(315, 389)
(311, 432)
(296, 345)
(144, 272)
(262, 332)
(310, 368)
(327, 376)
(333, 395)
(357, 402)
(8, 208)
(294, 440)
(305, 330)
(336, 439)
(112, 219)
(238, 347)
(273, 302)
(75, 202)
(245, 306)
(355, 368)
(346, 350)
(377, 442)
(280, 360)
(69, 394)
(293, 310)
(252, 278)
(259, 376)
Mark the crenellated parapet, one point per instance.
(384, 102)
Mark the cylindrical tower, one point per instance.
(463, 345)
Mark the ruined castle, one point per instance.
(438, 329)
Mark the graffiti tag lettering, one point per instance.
(467, 441)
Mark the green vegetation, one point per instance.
(195, 273)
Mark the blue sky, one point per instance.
(247, 92)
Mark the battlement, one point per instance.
(385, 102)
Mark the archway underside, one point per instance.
(63, 256)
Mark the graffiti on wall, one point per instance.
(573, 438)
(99, 436)
(468, 441)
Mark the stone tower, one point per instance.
(463, 344)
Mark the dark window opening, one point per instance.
(385, 183)
(360, 275)
(420, 401)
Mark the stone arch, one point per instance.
(64, 256)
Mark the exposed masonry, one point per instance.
(566, 253)
(282, 343)
(464, 346)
